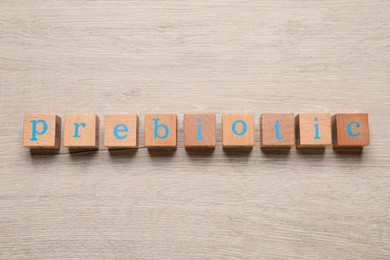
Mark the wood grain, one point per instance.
(109, 57)
(357, 124)
(203, 138)
(244, 127)
(277, 130)
(161, 131)
(314, 130)
(47, 133)
(125, 126)
(81, 131)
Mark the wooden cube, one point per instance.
(160, 131)
(81, 131)
(199, 130)
(42, 131)
(314, 130)
(238, 131)
(121, 131)
(350, 130)
(277, 130)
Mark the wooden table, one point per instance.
(199, 56)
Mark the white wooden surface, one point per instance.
(189, 56)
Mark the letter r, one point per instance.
(77, 127)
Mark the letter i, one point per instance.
(317, 136)
(200, 136)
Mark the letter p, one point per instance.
(34, 130)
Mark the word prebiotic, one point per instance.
(307, 130)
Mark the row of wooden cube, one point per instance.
(121, 131)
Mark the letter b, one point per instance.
(157, 126)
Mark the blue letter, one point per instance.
(34, 131)
(277, 130)
(200, 136)
(349, 130)
(244, 127)
(157, 126)
(76, 128)
(317, 137)
(117, 131)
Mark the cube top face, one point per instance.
(42, 131)
(314, 130)
(238, 130)
(121, 131)
(160, 130)
(81, 131)
(277, 130)
(199, 130)
(351, 130)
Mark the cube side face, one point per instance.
(277, 130)
(314, 130)
(42, 131)
(199, 130)
(81, 131)
(352, 130)
(161, 131)
(121, 131)
(58, 133)
(238, 130)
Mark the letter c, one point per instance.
(349, 130)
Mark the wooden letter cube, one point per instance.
(277, 130)
(351, 130)
(81, 131)
(42, 131)
(238, 130)
(121, 131)
(160, 131)
(199, 130)
(314, 130)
